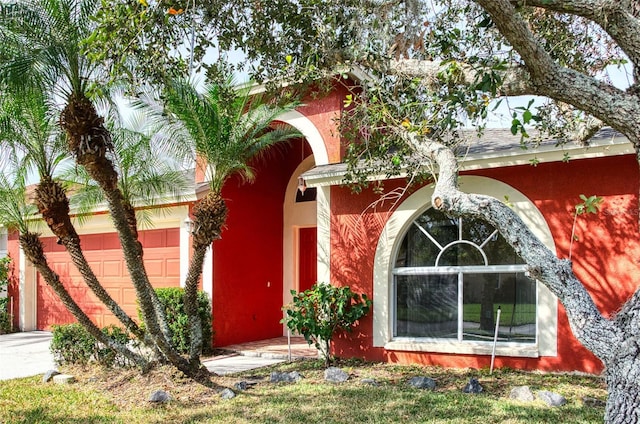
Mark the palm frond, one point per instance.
(42, 45)
(14, 209)
(147, 177)
(225, 127)
(28, 124)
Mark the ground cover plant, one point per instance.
(120, 396)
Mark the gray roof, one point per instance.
(496, 143)
(501, 140)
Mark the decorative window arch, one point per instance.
(464, 260)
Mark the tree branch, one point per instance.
(587, 323)
(620, 19)
(515, 79)
(607, 103)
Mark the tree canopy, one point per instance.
(431, 68)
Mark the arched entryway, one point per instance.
(299, 234)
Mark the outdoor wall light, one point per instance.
(189, 225)
(302, 185)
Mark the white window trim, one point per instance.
(402, 217)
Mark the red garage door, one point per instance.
(162, 261)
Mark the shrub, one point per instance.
(72, 344)
(318, 313)
(5, 316)
(172, 298)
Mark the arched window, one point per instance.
(451, 276)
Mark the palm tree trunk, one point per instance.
(32, 247)
(53, 204)
(191, 301)
(90, 141)
(210, 214)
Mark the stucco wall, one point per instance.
(248, 261)
(606, 255)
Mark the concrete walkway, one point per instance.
(27, 354)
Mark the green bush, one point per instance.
(5, 316)
(322, 310)
(72, 344)
(173, 300)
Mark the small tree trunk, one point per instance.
(89, 141)
(191, 301)
(52, 203)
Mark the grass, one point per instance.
(107, 396)
(525, 314)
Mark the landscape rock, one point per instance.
(369, 381)
(423, 383)
(48, 376)
(335, 375)
(551, 398)
(63, 379)
(227, 394)
(473, 386)
(593, 402)
(522, 393)
(285, 377)
(159, 396)
(243, 385)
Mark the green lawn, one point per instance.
(524, 314)
(108, 397)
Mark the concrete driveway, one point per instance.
(25, 354)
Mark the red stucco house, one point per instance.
(435, 282)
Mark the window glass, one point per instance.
(451, 277)
(512, 293)
(433, 232)
(427, 306)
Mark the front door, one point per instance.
(307, 258)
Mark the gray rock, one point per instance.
(48, 376)
(159, 396)
(63, 379)
(473, 386)
(243, 385)
(369, 382)
(551, 398)
(593, 402)
(335, 375)
(285, 377)
(227, 394)
(423, 383)
(522, 393)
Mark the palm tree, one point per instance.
(17, 214)
(225, 129)
(42, 50)
(31, 142)
(146, 176)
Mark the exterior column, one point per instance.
(324, 233)
(207, 273)
(185, 248)
(28, 296)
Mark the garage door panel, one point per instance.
(162, 264)
(155, 267)
(111, 268)
(173, 268)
